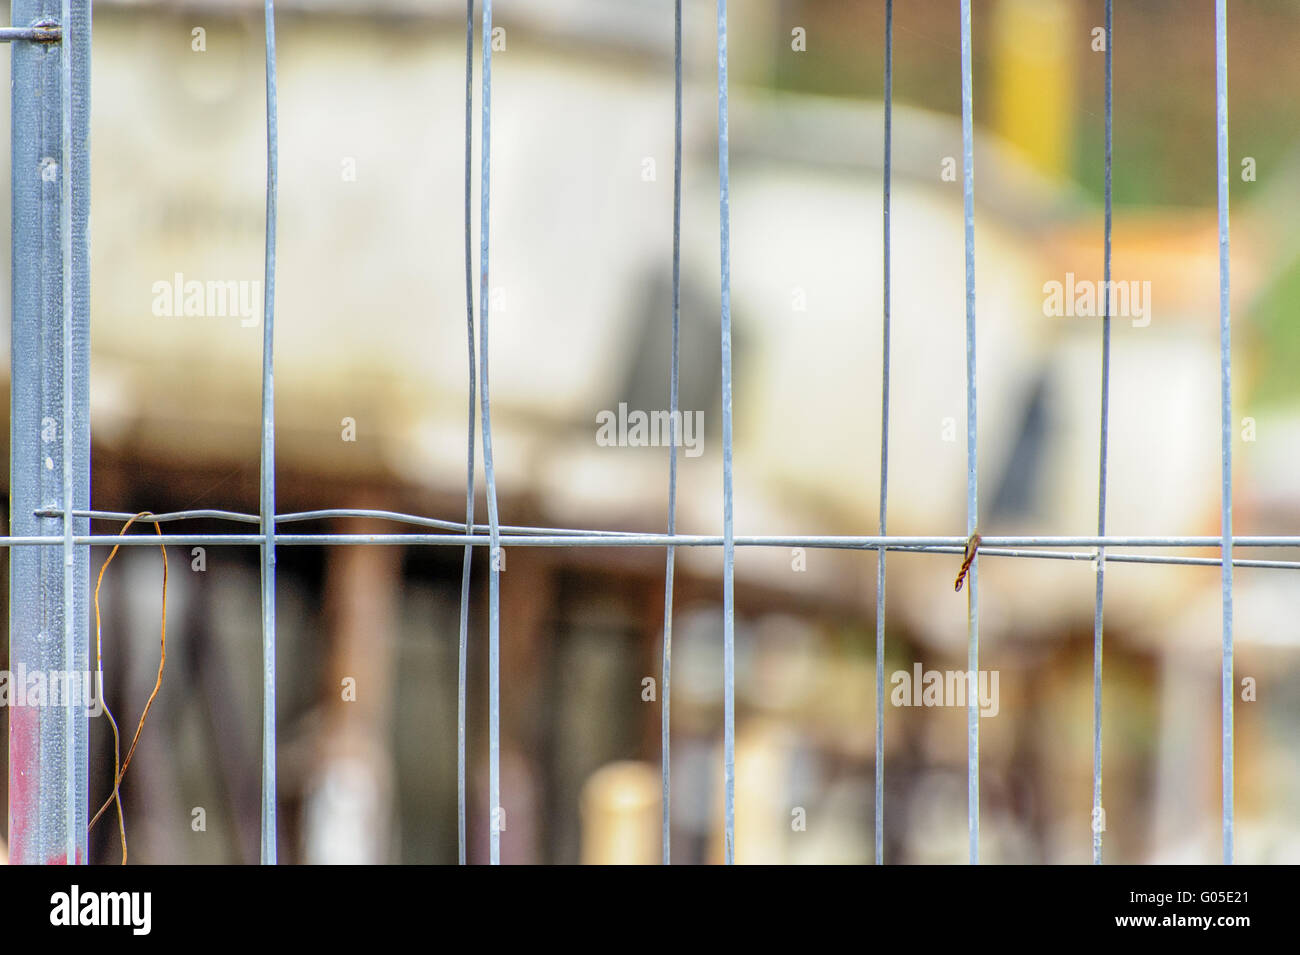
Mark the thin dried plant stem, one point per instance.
(120, 765)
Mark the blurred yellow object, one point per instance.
(620, 815)
(1034, 57)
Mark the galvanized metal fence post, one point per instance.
(50, 431)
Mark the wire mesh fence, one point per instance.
(50, 536)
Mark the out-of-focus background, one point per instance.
(371, 401)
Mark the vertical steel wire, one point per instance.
(884, 441)
(972, 505)
(494, 551)
(462, 668)
(269, 849)
(1225, 376)
(728, 532)
(1097, 812)
(666, 688)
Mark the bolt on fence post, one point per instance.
(50, 430)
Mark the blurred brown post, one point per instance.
(350, 794)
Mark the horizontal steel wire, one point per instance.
(990, 546)
(956, 544)
(300, 516)
(36, 33)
